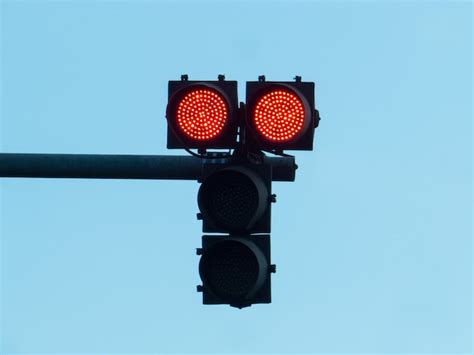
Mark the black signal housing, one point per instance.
(236, 198)
(256, 90)
(235, 270)
(227, 138)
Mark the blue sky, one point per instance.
(372, 242)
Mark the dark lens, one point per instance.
(231, 269)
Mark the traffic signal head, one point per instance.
(281, 115)
(236, 198)
(235, 270)
(202, 114)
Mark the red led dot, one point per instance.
(202, 114)
(279, 115)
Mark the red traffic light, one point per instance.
(281, 115)
(202, 114)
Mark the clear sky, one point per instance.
(372, 242)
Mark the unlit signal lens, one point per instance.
(202, 114)
(279, 115)
(231, 269)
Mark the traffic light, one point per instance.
(235, 195)
(202, 114)
(281, 115)
(236, 198)
(235, 270)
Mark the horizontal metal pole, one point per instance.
(97, 166)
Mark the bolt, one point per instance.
(199, 288)
(297, 79)
(199, 216)
(221, 77)
(261, 78)
(198, 251)
(273, 198)
(317, 118)
(273, 268)
(184, 77)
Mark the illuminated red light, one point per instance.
(202, 114)
(279, 115)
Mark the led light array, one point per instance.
(279, 115)
(202, 114)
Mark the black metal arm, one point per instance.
(94, 166)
